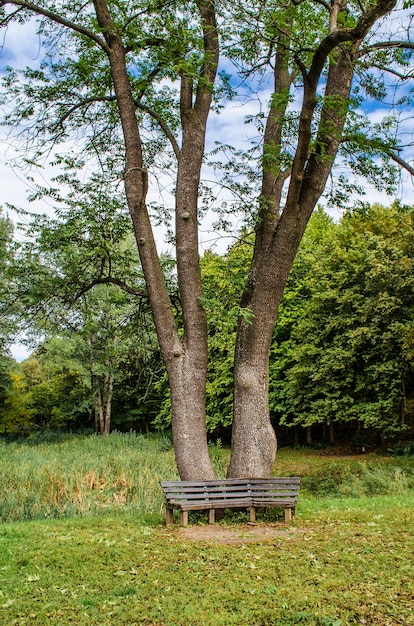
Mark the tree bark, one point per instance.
(277, 240)
(188, 371)
(98, 407)
(108, 388)
(186, 358)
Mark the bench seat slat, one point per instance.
(232, 496)
(200, 506)
(229, 482)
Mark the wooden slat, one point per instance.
(229, 482)
(205, 495)
(220, 504)
(211, 496)
(274, 502)
(184, 488)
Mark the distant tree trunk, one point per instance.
(403, 404)
(108, 388)
(98, 406)
(295, 436)
(331, 433)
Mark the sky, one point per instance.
(21, 47)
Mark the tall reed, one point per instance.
(83, 476)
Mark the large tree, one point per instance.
(320, 48)
(113, 64)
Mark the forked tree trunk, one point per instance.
(277, 239)
(186, 357)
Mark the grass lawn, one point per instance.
(345, 560)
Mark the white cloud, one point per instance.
(20, 45)
(19, 352)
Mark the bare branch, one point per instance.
(389, 70)
(396, 157)
(326, 5)
(391, 151)
(382, 45)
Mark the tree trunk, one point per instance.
(331, 433)
(277, 240)
(295, 436)
(187, 382)
(185, 358)
(98, 407)
(253, 437)
(107, 400)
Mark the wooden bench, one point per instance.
(238, 493)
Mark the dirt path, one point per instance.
(237, 535)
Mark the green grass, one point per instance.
(349, 563)
(347, 559)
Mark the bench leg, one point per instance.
(211, 516)
(169, 516)
(184, 518)
(252, 514)
(288, 515)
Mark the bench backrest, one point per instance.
(257, 489)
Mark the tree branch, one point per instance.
(395, 157)
(9, 18)
(82, 103)
(389, 70)
(382, 45)
(343, 35)
(163, 125)
(390, 151)
(114, 281)
(58, 19)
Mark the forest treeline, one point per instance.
(342, 357)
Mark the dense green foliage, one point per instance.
(342, 353)
(79, 284)
(343, 341)
(351, 353)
